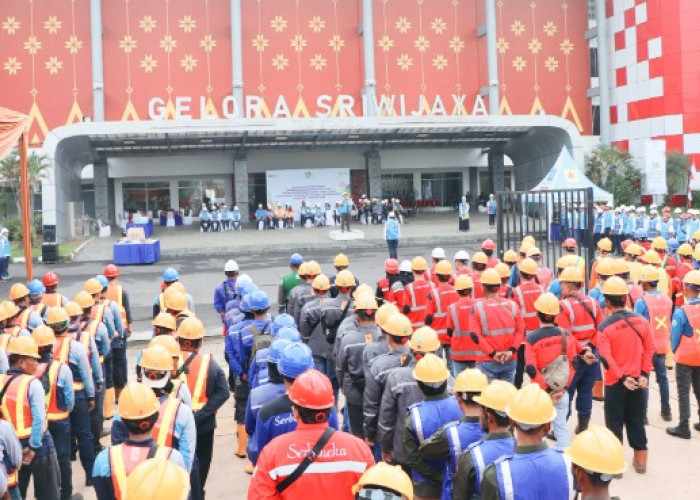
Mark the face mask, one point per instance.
(156, 383)
(377, 494)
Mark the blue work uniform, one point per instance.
(486, 451)
(224, 292)
(258, 397)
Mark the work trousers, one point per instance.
(445, 352)
(393, 246)
(686, 377)
(497, 371)
(119, 367)
(46, 474)
(559, 428)
(326, 367)
(5, 267)
(109, 374)
(581, 385)
(81, 429)
(240, 396)
(345, 222)
(659, 361)
(460, 366)
(625, 409)
(97, 419)
(205, 448)
(356, 420)
(60, 433)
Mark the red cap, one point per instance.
(391, 266)
(488, 244)
(625, 244)
(312, 390)
(570, 243)
(111, 271)
(50, 279)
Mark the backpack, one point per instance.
(556, 374)
(262, 339)
(331, 330)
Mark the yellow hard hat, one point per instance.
(303, 269)
(527, 266)
(164, 320)
(43, 336)
(696, 253)
(659, 243)
(696, 235)
(471, 380)
(533, 251)
(605, 244)
(156, 358)
(168, 342)
(424, 339)
(565, 261)
(685, 250)
(480, 258)
(571, 274)
(510, 256)
(528, 240)
(383, 475)
(692, 278)
(341, 260)
(398, 325)
(92, 286)
(158, 479)
(175, 301)
(321, 282)
(73, 309)
(651, 257)
(4, 310)
(84, 299)
(9, 309)
(633, 249)
(463, 282)
(191, 328)
(605, 267)
(547, 303)
(362, 289)
(386, 311)
(502, 269)
(531, 406)
(18, 291)
(313, 268)
(524, 247)
(597, 449)
(419, 264)
(344, 279)
(431, 369)
(176, 286)
(615, 286)
(366, 302)
(56, 315)
(443, 268)
(649, 274)
(497, 395)
(620, 266)
(23, 346)
(137, 401)
(490, 277)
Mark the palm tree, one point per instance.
(604, 160)
(677, 172)
(38, 167)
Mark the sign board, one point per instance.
(655, 167)
(311, 185)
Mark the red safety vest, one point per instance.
(636, 292)
(544, 276)
(688, 351)
(463, 347)
(61, 352)
(124, 457)
(497, 318)
(197, 379)
(525, 295)
(52, 299)
(670, 264)
(443, 296)
(659, 307)
(583, 326)
(164, 428)
(387, 293)
(15, 405)
(492, 262)
(417, 296)
(53, 412)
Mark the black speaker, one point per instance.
(49, 253)
(49, 234)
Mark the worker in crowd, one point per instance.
(652, 258)
(384, 481)
(436, 256)
(504, 272)
(479, 263)
(301, 294)
(414, 303)
(668, 262)
(440, 298)
(291, 279)
(36, 293)
(489, 248)
(461, 260)
(527, 292)
(310, 327)
(340, 263)
(157, 480)
(170, 276)
(405, 277)
(28, 318)
(604, 246)
(118, 295)
(631, 253)
(685, 265)
(554, 286)
(569, 246)
(527, 242)
(12, 319)
(471, 464)
(176, 386)
(11, 460)
(626, 348)
(51, 297)
(226, 290)
(464, 353)
(385, 286)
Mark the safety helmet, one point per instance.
(461, 255)
(313, 268)
(502, 269)
(431, 369)
(275, 350)
(405, 266)
(488, 244)
(527, 266)
(443, 268)
(605, 244)
(18, 291)
(471, 380)
(605, 267)
(84, 299)
(419, 264)
(528, 240)
(480, 258)
(111, 271)
(463, 282)
(92, 286)
(43, 336)
(569, 243)
(497, 395)
(341, 260)
(391, 266)
(640, 234)
(424, 339)
(9, 309)
(156, 358)
(363, 289)
(633, 249)
(290, 333)
(620, 267)
(296, 259)
(303, 269)
(510, 256)
(259, 301)
(176, 287)
(366, 302)
(36, 288)
(23, 346)
(295, 359)
(615, 286)
(56, 316)
(344, 279)
(244, 305)
(231, 266)
(137, 401)
(571, 274)
(191, 328)
(438, 253)
(398, 325)
(649, 274)
(321, 282)
(533, 252)
(102, 281)
(313, 390)
(564, 261)
(547, 303)
(168, 343)
(490, 277)
(164, 320)
(598, 450)
(524, 247)
(685, 250)
(651, 257)
(692, 278)
(384, 312)
(282, 320)
(659, 243)
(243, 287)
(531, 406)
(73, 309)
(388, 477)
(696, 235)
(50, 279)
(170, 275)
(175, 301)
(158, 479)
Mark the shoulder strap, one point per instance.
(563, 341)
(345, 311)
(308, 460)
(185, 365)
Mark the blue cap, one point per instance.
(296, 259)
(673, 244)
(295, 359)
(244, 287)
(103, 281)
(282, 320)
(289, 333)
(259, 301)
(36, 288)
(170, 275)
(275, 350)
(245, 303)
(640, 233)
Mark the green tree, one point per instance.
(614, 171)
(677, 172)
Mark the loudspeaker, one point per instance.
(49, 253)
(49, 234)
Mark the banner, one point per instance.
(655, 167)
(313, 186)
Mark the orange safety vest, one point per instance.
(688, 351)
(526, 294)
(4, 341)
(61, 352)
(121, 464)
(176, 387)
(116, 294)
(463, 347)
(659, 307)
(197, 379)
(24, 319)
(164, 429)
(497, 318)
(417, 292)
(583, 325)
(15, 405)
(98, 311)
(84, 339)
(53, 412)
(39, 307)
(636, 292)
(52, 299)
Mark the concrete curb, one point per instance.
(71, 256)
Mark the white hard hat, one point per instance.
(653, 206)
(405, 266)
(599, 211)
(231, 266)
(244, 277)
(617, 210)
(438, 253)
(235, 207)
(392, 215)
(653, 212)
(462, 255)
(4, 230)
(643, 209)
(679, 211)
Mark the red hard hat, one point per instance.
(111, 271)
(391, 266)
(625, 244)
(570, 243)
(312, 390)
(488, 244)
(50, 279)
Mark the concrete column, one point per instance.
(496, 167)
(373, 161)
(237, 61)
(417, 188)
(98, 87)
(240, 184)
(370, 88)
(492, 56)
(101, 180)
(603, 71)
(474, 185)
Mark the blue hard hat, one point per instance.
(296, 259)
(103, 281)
(36, 288)
(295, 359)
(282, 320)
(245, 303)
(673, 244)
(639, 234)
(243, 287)
(289, 333)
(170, 275)
(275, 350)
(259, 301)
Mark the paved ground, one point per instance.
(671, 461)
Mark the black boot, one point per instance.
(582, 424)
(697, 427)
(666, 415)
(682, 431)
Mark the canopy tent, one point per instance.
(13, 128)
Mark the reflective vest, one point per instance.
(497, 318)
(635, 293)
(583, 325)
(23, 320)
(443, 296)
(176, 388)
(388, 294)
(50, 379)
(197, 380)
(526, 294)
(98, 312)
(659, 307)
(544, 276)
(688, 350)
(85, 339)
(418, 297)
(4, 341)
(463, 347)
(164, 429)
(161, 302)
(52, 299)
(39, 307)
(15, 405)
(121, 464)
(484, 453)
(116, 293)
(61, 353)
(459, 437)
(545, 475)
(13, 331)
